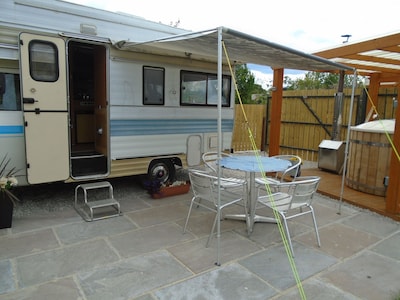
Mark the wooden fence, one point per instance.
(307, 118)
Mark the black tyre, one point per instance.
(162, 170)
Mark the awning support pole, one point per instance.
(219, 127)
(346, 151)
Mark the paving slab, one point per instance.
(273, 266)
(42, 267)
(338, 240)
(7, 283)
(132, 277)
(148, 239)
(44, 219)
(200, 223)
(373, 223)
(389, 247)
(367, 276)
(228, 282)
(27, 243)
(63, 289)
(198, 258)
(315, 289)
(268, 234)
(159, 214)
(325, 214)
(82, 231)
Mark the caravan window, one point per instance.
(153, 86)
(10, 97)
(202, 89)
(43, 61)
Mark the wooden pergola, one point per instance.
(378, 59)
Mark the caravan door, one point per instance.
(45, 106)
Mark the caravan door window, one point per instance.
(43, 61)
(153, 86)
(202, 89)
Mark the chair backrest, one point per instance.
(201, 184)
(204, 185)
(210, 160)
(303, 190)
(293, 171)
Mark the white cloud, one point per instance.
(308, 25)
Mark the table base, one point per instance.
(250, 225)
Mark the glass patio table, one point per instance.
(253, 165)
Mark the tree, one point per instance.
(319, 80)
(247, 87)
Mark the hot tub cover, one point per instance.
(378, 126)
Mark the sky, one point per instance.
(307, 25)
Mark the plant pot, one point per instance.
(6, 211)
(171, 191)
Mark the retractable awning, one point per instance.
(241, 47)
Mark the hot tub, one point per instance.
(369, 156)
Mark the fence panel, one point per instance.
(255, 121)
(307, 118)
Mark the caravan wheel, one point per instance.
(162, 170)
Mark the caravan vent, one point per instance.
(88, 29)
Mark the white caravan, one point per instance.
(73, 106)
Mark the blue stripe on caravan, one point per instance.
(11, 129)
(155, 127)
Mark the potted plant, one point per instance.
(7, 199)
(171, 189)
(158, 189)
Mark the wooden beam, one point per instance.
(373, 44)
(392, 49)
(276, 112)
(375, 59)
(371, 68)
(389, 77)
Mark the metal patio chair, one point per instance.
(210, 161)
(294, 202)
(289, 174)
(205, 194)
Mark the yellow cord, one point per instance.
(267, 187)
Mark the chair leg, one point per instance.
(315, 226)
(288, 234)
(189, 212)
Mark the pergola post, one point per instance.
(276, 111)
(393, 191)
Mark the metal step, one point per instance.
(87, 208)
(102, 203)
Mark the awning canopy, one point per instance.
(241, 48)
